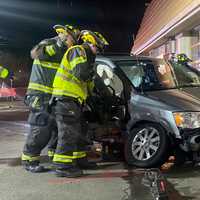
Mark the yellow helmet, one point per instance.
(3, 72)
(94, 38)
(67, 29)
(74, 31)
(59, 28)
(183, 58)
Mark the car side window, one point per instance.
(185, 74)
(136, 75)
(110, 79)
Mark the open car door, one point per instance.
(108, 103)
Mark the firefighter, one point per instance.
(183, 58)
(71, 87)
(47, 56)
(3, 72)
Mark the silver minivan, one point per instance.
(149, 107)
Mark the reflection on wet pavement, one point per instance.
(183, 183)
(186, 180)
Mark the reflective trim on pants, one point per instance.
(79, 154)
(51, 153)
(29, 158)
(68, 159)
(62, 158)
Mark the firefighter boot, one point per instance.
(83, 163)
(71, 172)
(33, 166)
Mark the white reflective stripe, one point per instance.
(45, 64)
(36, 86)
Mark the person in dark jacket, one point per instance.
(47, 56)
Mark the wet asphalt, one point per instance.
(110, 181)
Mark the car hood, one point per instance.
(185, 99)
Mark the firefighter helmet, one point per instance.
(3, 72)
(75, 32)
(94, 38)
(183, 58)
(59, 28)
(67, 29)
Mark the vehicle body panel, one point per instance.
(145, 105)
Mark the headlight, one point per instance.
(187, 119)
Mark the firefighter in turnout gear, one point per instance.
(3, 72)
(183, 58)
(72, 85)
(47, 56)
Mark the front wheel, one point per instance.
(147, 146)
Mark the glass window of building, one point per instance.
(196, 48)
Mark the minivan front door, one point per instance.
(110, 88)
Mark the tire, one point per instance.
(144, 151)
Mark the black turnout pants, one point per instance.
(71, 132)
(41, 134)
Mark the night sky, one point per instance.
(25, 22)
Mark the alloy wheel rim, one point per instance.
(145, 144)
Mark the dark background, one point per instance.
(23, 23)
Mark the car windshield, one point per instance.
(148, 75)
(186, 75)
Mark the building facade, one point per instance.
(170, 26)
